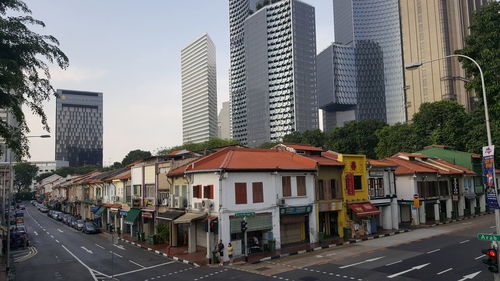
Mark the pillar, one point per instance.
(385, 213)
(472, 206)
(313, 222)
(421, 212)
(173, 229)
(276, 227)
(395, 214)
(449, 208)
(192, 238)
(482, 203)
(225, 231)
(436, 211)
(208, 240)
(461, 206)
(415, 218)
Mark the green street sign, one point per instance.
(488, 237)
(249, 214)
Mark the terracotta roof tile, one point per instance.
(302, 146)
(330, 154)
(406, 167)
(380, 163)
(325, 161)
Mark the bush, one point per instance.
(163, 233)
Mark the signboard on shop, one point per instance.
(489, 176)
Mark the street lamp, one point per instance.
(416, 65)
(41, 136)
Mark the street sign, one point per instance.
(415, 196)
(488, 237)
(416, 203)
(248, 214)
(489, 176)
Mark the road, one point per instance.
(448, 252)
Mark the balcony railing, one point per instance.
(376, 192)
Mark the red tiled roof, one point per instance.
(330, 154)
(325, 161)
(236, 158)
(410, 155)
(454, 166)
(178, 152)
(426, 166)
(122, 176)
(406, 167)
(301, 146)
(380, 163)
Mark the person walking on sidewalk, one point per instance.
(220, 249)
(230, 253)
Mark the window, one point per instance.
(240, 191)
(208, 192)
(176, 190)
(333, 189)
(321, 190)
(286, 186)
(258, 192)
(357, 183)
(163, 195)
(197, 191)
(150, 191)
(301, 186)
(137, 190)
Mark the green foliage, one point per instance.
(210, 144)
(64, 171)
(24, 71)
(483, 45)
(135, 155)
(313, 137)
(397, 138)
(163, 232)
(443, 122)
(356, 137)
(267, 145)
(24, 175)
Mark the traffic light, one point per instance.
(492, 260)
(243, 225)
(213, 226)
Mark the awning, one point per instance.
(209, 219)
(364, 209)
(100, 211)
(132, 216)
(188, 217)
(94, 209)
(170, 215)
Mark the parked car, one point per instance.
(22, 207)
(90, 227)
(60, 216)
(79, 224)
(44, 209)
(67, 219)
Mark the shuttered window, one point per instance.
(240, 191)
(333, 189)
(301, 186)
(206, 191)
(211, 192)
(197, 192)
(287, 186)
(321, 190)
(258, 192)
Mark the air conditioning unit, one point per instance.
(165, 202)
(198, 206)
(280, 202)
(207, 204)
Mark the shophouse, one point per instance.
(382, 192)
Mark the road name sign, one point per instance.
(488, 237)
(248, 214)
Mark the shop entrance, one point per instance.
(328, 224)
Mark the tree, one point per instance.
(355, 137)
(24, 72)
(24, 175)
(482, 45)
(135, 155)
(202, 146)
(397, 138)
(443, 122)
(64, 171)
(268, 145)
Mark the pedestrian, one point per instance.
(230, 253)
(220, 249)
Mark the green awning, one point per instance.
(132, 216)
(100, 211)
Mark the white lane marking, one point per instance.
(87, 250)
(92, 272)
(465, 241)
(470, 276)
(116, 254)
(52, 236)
(393, 263)
(466, 222)
(99, 246)
(330, 254)
(480, 257)
(60, 230)
(446, 270)
(144, 268)
(418, 267)
(36, 233)
(361, 262)
(119, 247)
(136, 263)
(57, 241)
(433, 251)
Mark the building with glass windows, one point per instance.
(273, 69)
(79, 127)
(199, 91)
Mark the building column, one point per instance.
(415, 216)
(461, 206)
(449, 208)
(192, 238)
(472, 206)
(276, 227)
(173, 237)
(395, 213)
(312, 227)
(482, 203)
(421, 212)
(385, 213)
(436, 211)
(208, 240)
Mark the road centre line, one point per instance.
(479, 257)
(465, 241)
(446, 270)
(60, 230)
(144, 268)
(99, 246)
(433, 251)
(393, 262)
(136, 263)
(116, 254)
(86, 266)
(36, 233)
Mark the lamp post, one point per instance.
(9, 201)
(416, 65)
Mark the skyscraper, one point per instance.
(431, 30)
(273, 69)
(79, 127)
(224, 131)
(373, 28)
(199, 90)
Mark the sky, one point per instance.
(130, 51)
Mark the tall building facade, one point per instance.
(224, 131)
(199, 91)
(373, 28)
(79, 127)
(273, 69)
(431, 30)
(6, 154)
